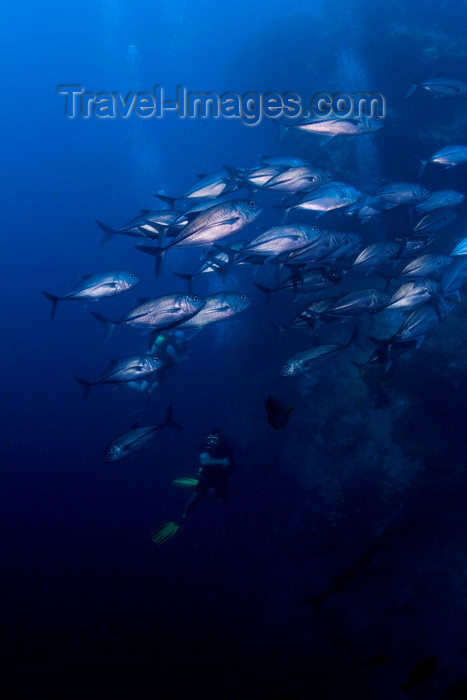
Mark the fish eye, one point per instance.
(314, 228)
(131, 275)
(286, 367)
(242, 296)
(195, 298)
(252, 203)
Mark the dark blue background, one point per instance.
(219, 611)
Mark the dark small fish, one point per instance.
(278, 415)
(419, 672)
(340, 582)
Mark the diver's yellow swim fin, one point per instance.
(165, 532)
(185, 481)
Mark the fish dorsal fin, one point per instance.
(143, 300)
(201, 175)
(85, 277)
(135, 425)
(145, 212)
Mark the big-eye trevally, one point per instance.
(438, 199)
(403, 193)
(166, 311)
(330, 127)
(95, 287)
(211, 185)
(441, 87)
(128, 369)
(449, 156)
(327, 197)
(217, 307)
(315, 357)
(136, 438)
(213, 224)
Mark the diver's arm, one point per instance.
(206, 460)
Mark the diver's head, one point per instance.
(214, 438)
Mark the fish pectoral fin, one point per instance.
(224, 222)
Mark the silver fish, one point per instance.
(217, 222)
(136, 438)
(213, 224)
(441, 87)
(360, 301)
(449, 156)
(149, 224)
(423, 319)
(435, 220)
(126, 370)
(411, 294)
(403, 192)
(376, 254)
(217, 307)
(438, 199)
(314, 358)
(428, 265)
(211, 185)
(460, 248)
(95, 287)
(327, 197)
(455, 276)
(325, 245)
(161, 312)
(334, 126)
(369, 206)
(298, 179)
(282, 239)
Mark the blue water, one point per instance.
(91, 606)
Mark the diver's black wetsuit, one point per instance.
(216, 476)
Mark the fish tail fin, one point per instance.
(285, 209)
(234, 173)
(267, 290)
(169, 421)
(422, 164)
(412, 87)
(361, 366)
(188, 278)
(109, 325)
(52, 298)
(290, 409)
(155, 251)
(404, 687)
(280, 330)
(86, 386)
(108, 232)
(282, 132)
(166, 199)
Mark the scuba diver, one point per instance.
(216, 466)
(171, 348)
